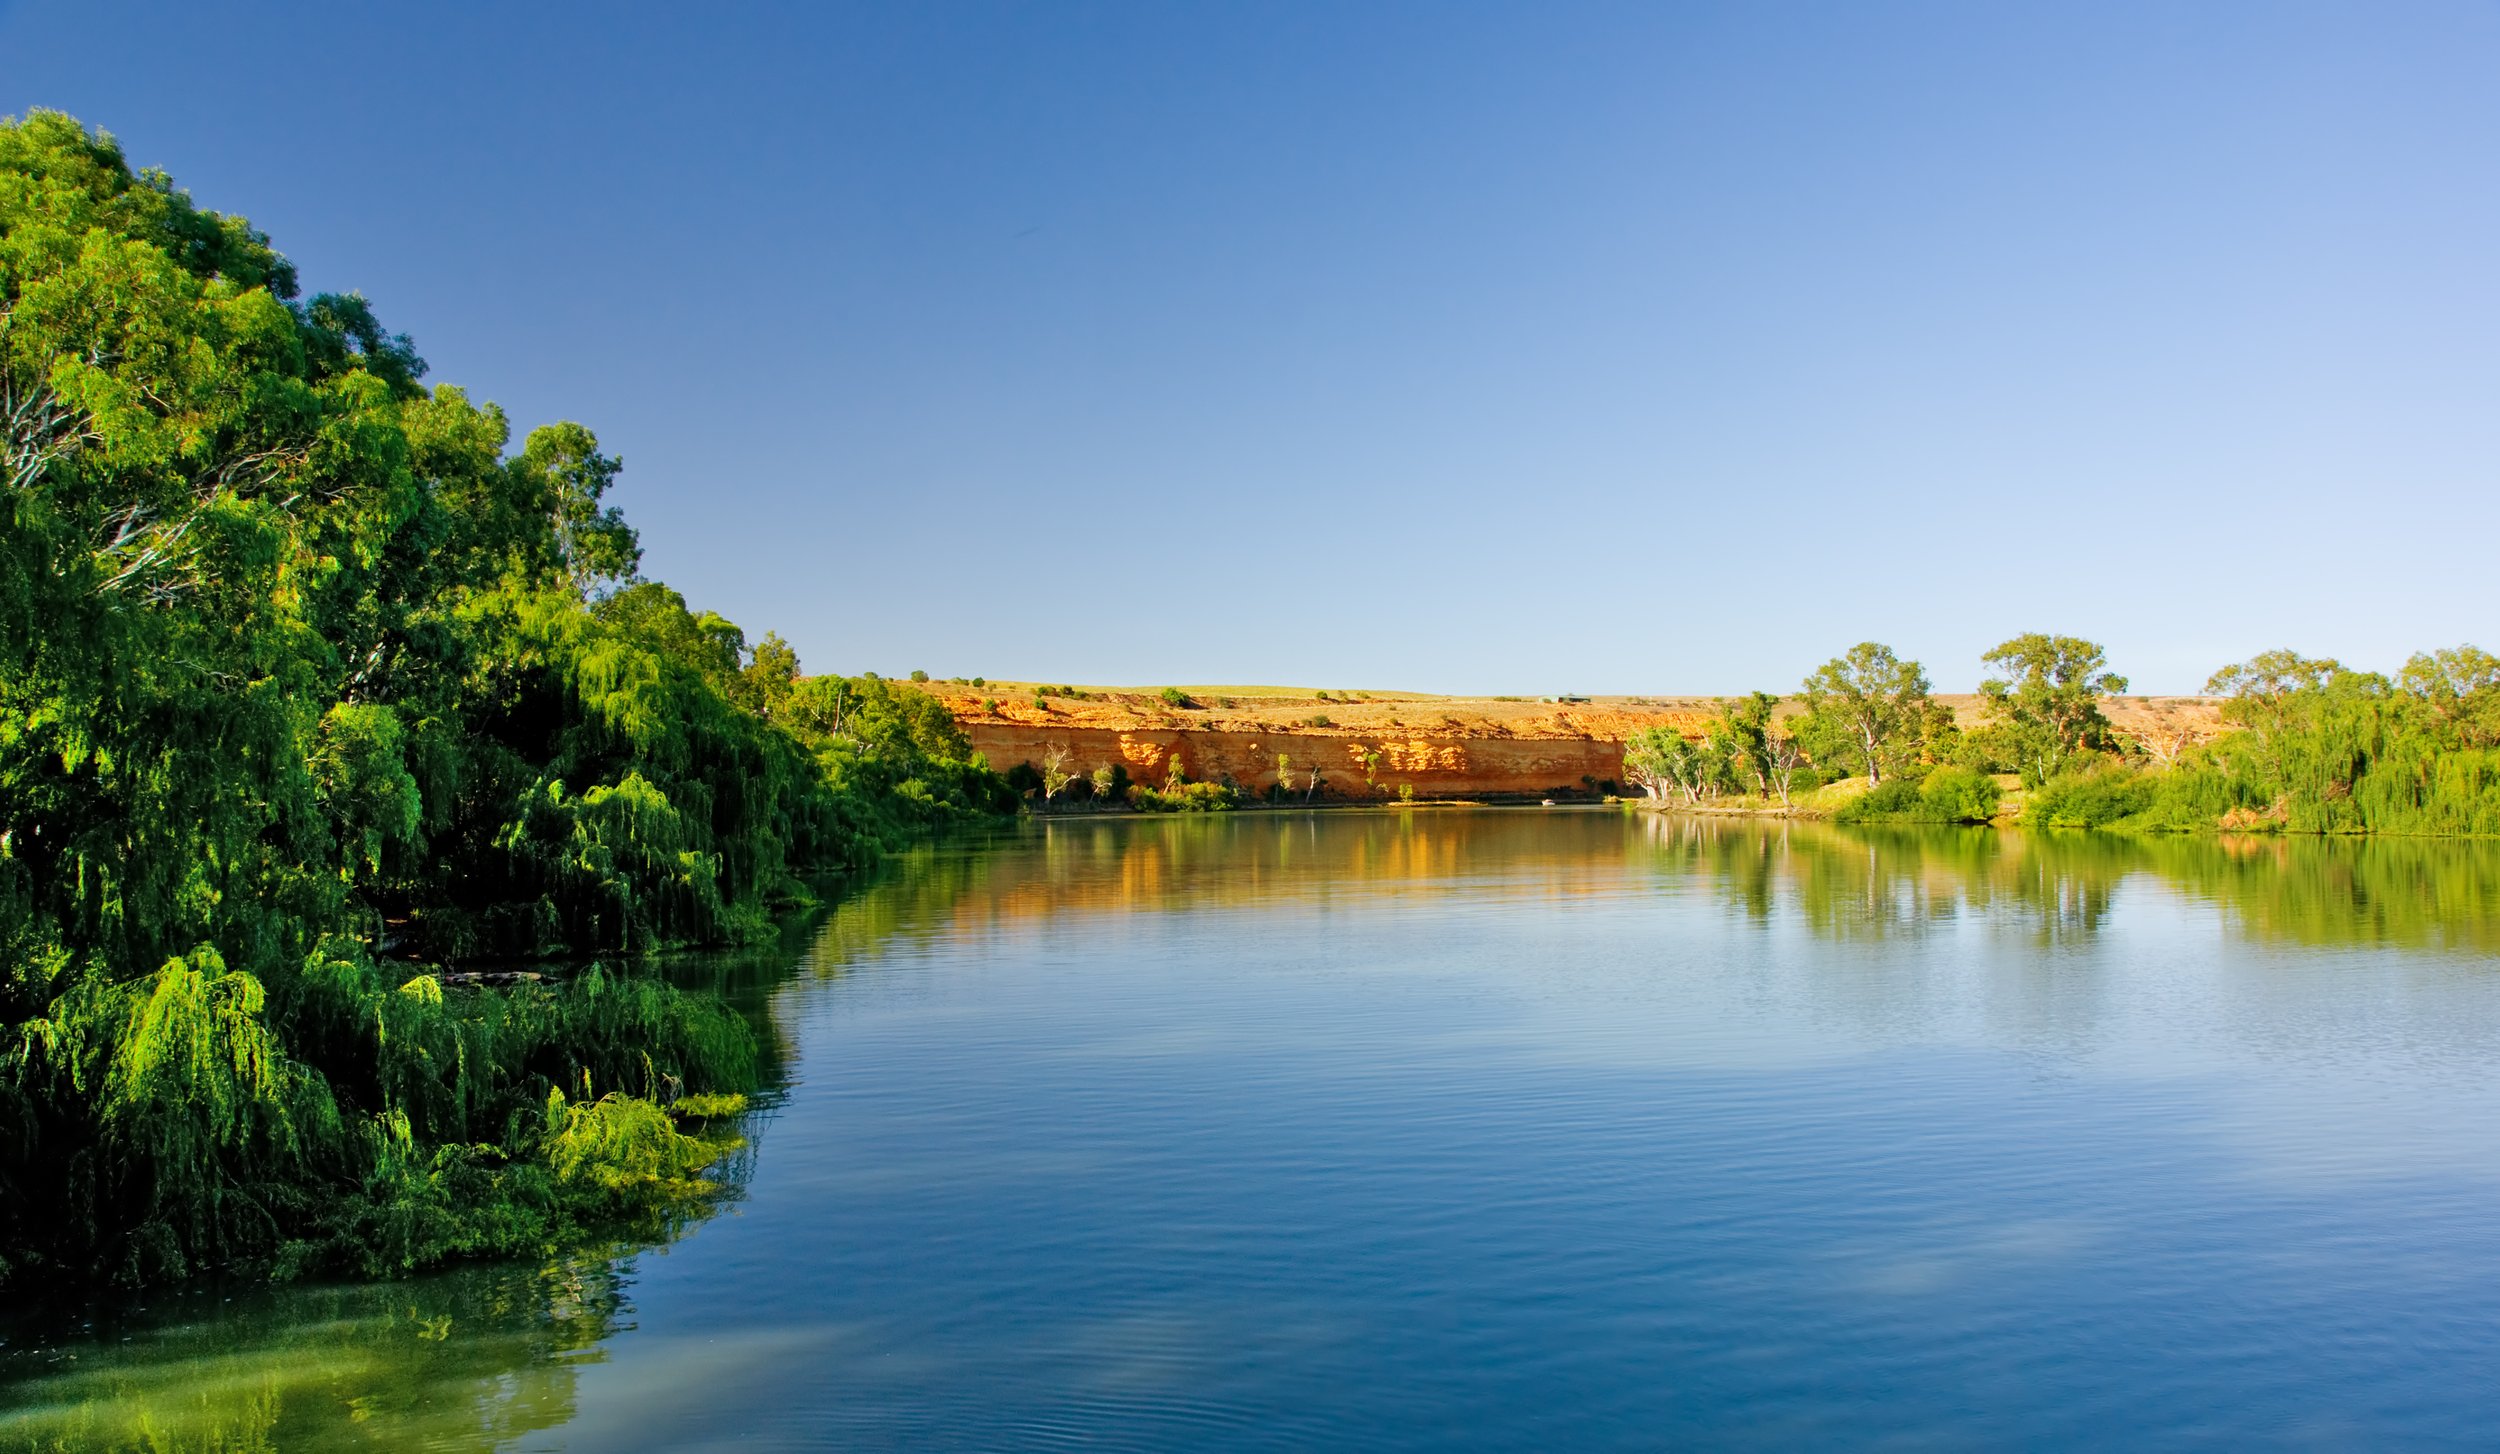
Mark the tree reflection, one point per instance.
(1876, 883)
(1881, 883)
(465, 1360)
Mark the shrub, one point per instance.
(1960, 795)
(2099, 796)
(1174, 696)
(1893, 800)
(1944, 795)
(920, 676)
(1183, 797)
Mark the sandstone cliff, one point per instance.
(1370, 744)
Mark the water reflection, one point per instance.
(470, 1360)
(1860, 884)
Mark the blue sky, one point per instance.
(1460, 348)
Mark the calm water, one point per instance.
(1506, 1130)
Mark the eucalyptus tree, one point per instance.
(1868, 704)
(1741, 732)
(1647, 757)
(2461, 688)
(1658, 758)
(2047, 700)
(1055, 774)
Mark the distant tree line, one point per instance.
(2313, 746)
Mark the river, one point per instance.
(1499, 1129)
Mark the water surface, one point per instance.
(1506, 1130)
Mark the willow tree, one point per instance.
(308, 681)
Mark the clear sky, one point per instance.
(1506, 348)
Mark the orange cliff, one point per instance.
(1441, 747)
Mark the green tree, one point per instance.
(1869, 705)
(772, 670)
(1055, 774)
(2047, 700)
(302, 669)
(1741, 734)
(2461, 687)
(1660, 760)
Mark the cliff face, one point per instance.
(1435, 766)
(1439, 746)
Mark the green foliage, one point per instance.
(1175, 697)
(2321, 749)
(2325, 749)
(1869, 708)
(2047, 707)
(1180, 796)
(1944, 795)
(2460, 689)
(303, 668)
(1667, 765)
(1959, 795)
(1740, 734)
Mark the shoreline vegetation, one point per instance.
(316, 691)
(2310, 746)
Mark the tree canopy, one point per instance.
(2047, 703)
(1868, 704)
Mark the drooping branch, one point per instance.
(40, 428)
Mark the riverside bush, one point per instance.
(1183, 797)
(1945, 795)
(2100, 796)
